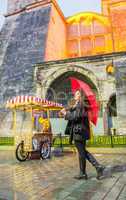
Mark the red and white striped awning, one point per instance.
(19, 101)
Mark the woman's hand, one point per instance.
(63, 111)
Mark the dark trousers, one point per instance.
(83, 155)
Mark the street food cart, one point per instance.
(33, 140)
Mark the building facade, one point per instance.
(40, 49)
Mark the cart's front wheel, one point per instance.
(45, 150)
(21, 155)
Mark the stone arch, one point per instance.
(73, 68)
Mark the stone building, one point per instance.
(40, 49)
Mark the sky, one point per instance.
(69, 7)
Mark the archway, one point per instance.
(56, 87)
(60, 88)
(56, 73)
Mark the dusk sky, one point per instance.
(69, 7)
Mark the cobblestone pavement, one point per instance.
(53, 179)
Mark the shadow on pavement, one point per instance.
(110, 170)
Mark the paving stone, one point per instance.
(123, 193)
(117, 188)
(53, 179)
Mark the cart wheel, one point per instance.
(45, 150)
(21, 155)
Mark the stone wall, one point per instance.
(93, 68)
(120, 65)
(14, 5)
(23, 41)
(23, 47)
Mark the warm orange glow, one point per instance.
(83, 34)
(56, 39)
(118, 20)
(88, 17)
(91, 33)
(88, 34)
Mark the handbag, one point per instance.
(78, 137)
(69, 131)
(78, 130)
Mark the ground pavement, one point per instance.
(53, 179)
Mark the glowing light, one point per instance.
(110, 69)
(88, 18)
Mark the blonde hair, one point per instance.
(81, 94)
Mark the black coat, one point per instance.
(78, 123)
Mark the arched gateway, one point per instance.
(58, 80)
(56, 85)
(60, 89)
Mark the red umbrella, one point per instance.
(93, 108)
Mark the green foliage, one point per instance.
(96, 141)
(8, 141)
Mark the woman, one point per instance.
(79, 131)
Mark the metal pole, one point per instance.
(14, 123)
(31, 131)
(61, 144)
(111, 141)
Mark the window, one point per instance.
(72, 30)
(84, 29)
(73, 47)
(99, 28)
(86, 46)
(99, 44)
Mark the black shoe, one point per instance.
(100, 173)
(81, 176)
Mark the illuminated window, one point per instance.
(84, 29)
(99, 44)
(73, 48)
(72, 30)
(100, 41)
(86, 46)
(99, 28)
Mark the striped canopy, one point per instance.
(32, 101)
